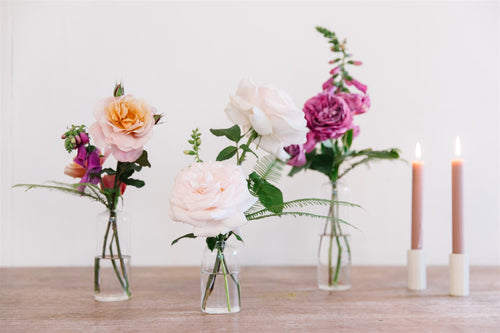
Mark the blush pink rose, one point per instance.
(124, 124)
(212, 197)
(271, 113)
(328, 116)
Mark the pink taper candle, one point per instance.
(416, 200)
(456, 199)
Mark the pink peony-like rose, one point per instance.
(212, 197)
(271, 113)
(124, 124)
(328, 116)
(357, 103)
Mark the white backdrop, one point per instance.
(432, 71)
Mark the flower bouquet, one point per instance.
(216, 197)
(123, 125)
(331, 130)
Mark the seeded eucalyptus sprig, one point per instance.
(342, 60)
(195, 141)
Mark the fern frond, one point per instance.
(67, 188)
(269, 168)
(300, 214)
(299, 203)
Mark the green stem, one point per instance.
(234, 280)
(210, 283)
(106, 238)
(120, 257)
(226, 286)
(112, 257)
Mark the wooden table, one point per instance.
(275, 299)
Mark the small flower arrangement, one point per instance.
(124, 124)
(216, 197)
(331, 130)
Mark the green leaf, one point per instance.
(226, 153)
(143, 160)
(109, 171)
(269, 195)
(211, 242)
(238, 237)
(233, 133)
(191, 235)
(322, 163)
(134, 182)
(347, 139)
(245, 147)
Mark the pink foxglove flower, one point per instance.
(360, 86)
(124, 124)
(357, 103)
(212, 197)
(271, 113)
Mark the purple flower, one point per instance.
(360, 86)
(328, 84)
(91, 163)
(297, 154)
(357, 103)
(328, 116)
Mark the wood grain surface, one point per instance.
(275, 299)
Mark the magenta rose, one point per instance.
(328, 116)
(357, 103)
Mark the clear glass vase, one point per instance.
(220, 279)
(334, 252)
(112, 261)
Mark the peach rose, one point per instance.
(124, 124)
(212, 197)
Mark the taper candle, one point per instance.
(416, 202)
(456, 198)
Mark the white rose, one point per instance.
(212, 197)
(271, 113)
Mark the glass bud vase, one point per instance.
(334, 252)
(220, 284)
(112, 261)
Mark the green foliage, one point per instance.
(233, 133)
(334, 154)
(91, 191)
(143, 160)
(269, 195)
(267, 169)
(195, 141)
(227, 153)
(190, 235)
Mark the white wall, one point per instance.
(432, 71)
